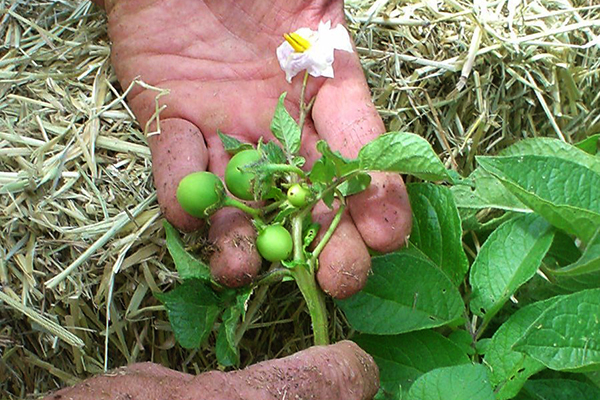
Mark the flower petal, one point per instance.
(340, 39)
(317, 60)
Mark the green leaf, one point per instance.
(511, 369)
(564, 252)
(323, 171)
(285, 128)
(382, 394)
(226, 347)
(226, 350)
(459, 382)
(405, 153)
(561, 389)
(563, 192)
(488, 192)
(342, 164)
(564, 249)
(310, 233)
(403, 358)
(470, 219)
(543, 146)
(187, 265)
(594, 377)
(590, 145)
(192, 309)
(355, 185)
(437, 230)
(232, 145)
(509, 257)
(273, 153)
(566, 336)
(464, 340)
(406, 292)
(589, 261)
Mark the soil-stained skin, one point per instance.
(345, 262)
(342, 371)
(382, 212)
(235, 261)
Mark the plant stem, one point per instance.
(315, 303)
(272, 206)
(303, 109)
(303, 273)
(285, 168)
(274, 274)
(305, 279)
(329, 188)
(256, 303)
(328, 234)
(229, 202)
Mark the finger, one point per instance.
(176, 152)
(339, 371)
(343, 113)
(308, 149)
(345, 116)
(139, 381)
(235, 261)
(382, 212)
(344, 263)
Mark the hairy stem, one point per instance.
(285, 168)
(305, 278)
(229, 202)
(334, 223)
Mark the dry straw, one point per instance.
(81, 240)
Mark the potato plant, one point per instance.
(499, 283)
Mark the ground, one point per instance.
(80, 229)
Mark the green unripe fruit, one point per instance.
(237, 179)
(298, 195)
(198, 191)
(274, 243)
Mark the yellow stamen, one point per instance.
(298, 43)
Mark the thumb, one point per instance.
(176, 152)
(346, 118)
(343, 113)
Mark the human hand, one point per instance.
(217, 59)
(337, 372)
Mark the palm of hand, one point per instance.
(217, 59)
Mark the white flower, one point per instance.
(312, 51)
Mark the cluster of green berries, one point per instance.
(200, 192)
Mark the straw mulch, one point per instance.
(81, 239)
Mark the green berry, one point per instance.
(237, 178)
(198, 191)
(275, 243)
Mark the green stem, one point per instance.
(328, 189)
(297, 238)
(272, 206)
(303, 273)
(285, 168)
(305, 279)
(229, 202)
(255, 305)
(328, 234)
(315, 302)
(274, 275)
(303, 108)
